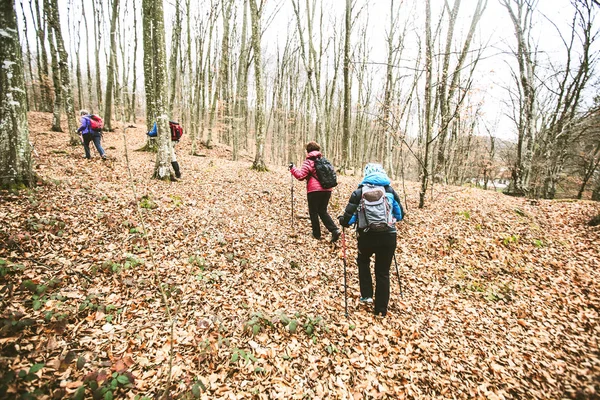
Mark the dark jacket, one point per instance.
(377, 179)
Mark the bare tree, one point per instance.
(552, 149)
(312, 61)
(152, 10)
(111, 71)
(259, 157)
(347, 89)
(42, 59)
(15, 149)
(521, 14)
(424, 172)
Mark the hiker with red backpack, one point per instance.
(91, 130)
(176, 134)
(320, 180)
(375, 208)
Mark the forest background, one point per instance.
(486, 93)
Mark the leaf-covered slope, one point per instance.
(500, 295)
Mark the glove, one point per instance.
(341, 221)
(290, 166)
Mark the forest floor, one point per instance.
(500, 295)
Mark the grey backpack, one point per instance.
(374, 209)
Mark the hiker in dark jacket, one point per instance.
(382, 242)
(318, 197)
(153, 133)
(87, 135)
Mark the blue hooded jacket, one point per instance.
(374, 175)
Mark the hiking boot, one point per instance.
(335, 235)
(366, 300)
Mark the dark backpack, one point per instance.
(96, 123)
(176, 131)
(325, 173)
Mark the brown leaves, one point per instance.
(497, 303)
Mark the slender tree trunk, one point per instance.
(56, 109)
(132, 107)
(15, 150)
(175, 43)
(241, 102)
(148, 27)
(87, 56)
(427, 117)
(259, 162)
(111, 69)
(98, 36)
(224, 80)
(65, 75)
(43, 72)
(30, 68)
(347, 89)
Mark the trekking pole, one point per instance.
(398, 275)
(292, 186)
(345, 284)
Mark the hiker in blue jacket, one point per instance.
(378, 239)
(87, 135)
(153, 133)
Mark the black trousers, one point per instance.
(317, 207)
(383, 245)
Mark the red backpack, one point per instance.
(176, 131)
(96, 123)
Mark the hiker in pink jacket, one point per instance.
(318, 197)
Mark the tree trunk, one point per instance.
(153, 10)
(65, 76)
(148, 27)
(224, 80)
(30, 68)
(15, 150)
(259, 162)
(347, 89)
(427, 117)
(111, 70)
(175, 44)
(43, 73)
(132, 113)
(241, 103)
(97, 38)
(87, 56)
(55, 72)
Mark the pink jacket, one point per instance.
(308, 172)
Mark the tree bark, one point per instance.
(259, 162)
(241, 102)
(427, 117)
(111, 70)
(42, 59)
(97, 38)
(57, 105)
(347, 90)
(175, 44)
(162, 167)
(15, 150)
(65, 76)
